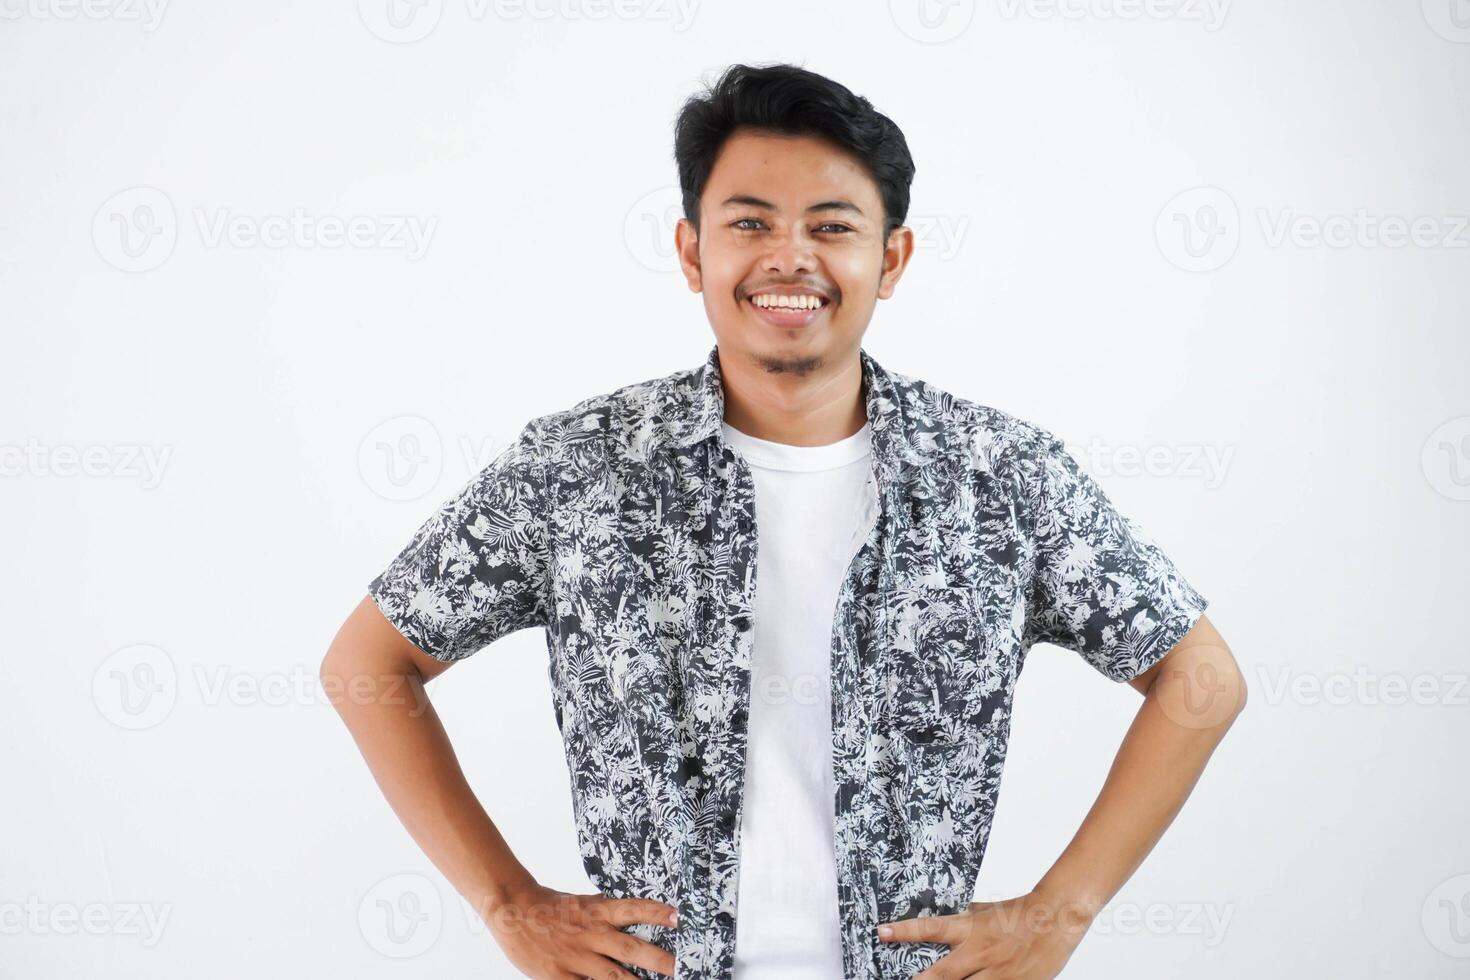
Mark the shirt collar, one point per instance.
(695, 410)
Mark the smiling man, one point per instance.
(785, 736)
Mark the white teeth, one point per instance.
(767, 301)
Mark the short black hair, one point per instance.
(791, 101)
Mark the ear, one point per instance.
(896, 255)
(686, 243)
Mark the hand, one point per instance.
(1025, 938)
(552, 935)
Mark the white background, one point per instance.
(166, 751)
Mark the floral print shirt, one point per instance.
(625, 528)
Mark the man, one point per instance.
(797, 724)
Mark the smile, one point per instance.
(788, 310)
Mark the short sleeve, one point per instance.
(476, 570)
(1100, 586)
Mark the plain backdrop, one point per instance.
(276, 279)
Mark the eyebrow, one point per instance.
(755, 202)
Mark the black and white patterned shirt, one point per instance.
(625, 528)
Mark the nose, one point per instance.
(789, 255)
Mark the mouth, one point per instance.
(788, 309)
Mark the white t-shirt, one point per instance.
(813, 505)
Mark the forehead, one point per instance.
(789, 171)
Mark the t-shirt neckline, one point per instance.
(783, 456)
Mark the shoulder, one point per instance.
(972, 433)
(619, 422)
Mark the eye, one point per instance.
(833, 224)
(738, 221)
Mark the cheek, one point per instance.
(857, 276)
(720, 274)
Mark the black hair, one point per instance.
(791, 101)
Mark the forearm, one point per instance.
(409, 753)
(1157, 766)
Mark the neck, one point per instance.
(805, 402)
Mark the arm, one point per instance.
(1176, 730)
(1191, 698)
(1103, 588)
(375, 678)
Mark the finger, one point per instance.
(948, 929)
(633, 951)
(954, 966)
(599, 967)
(627, 911)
